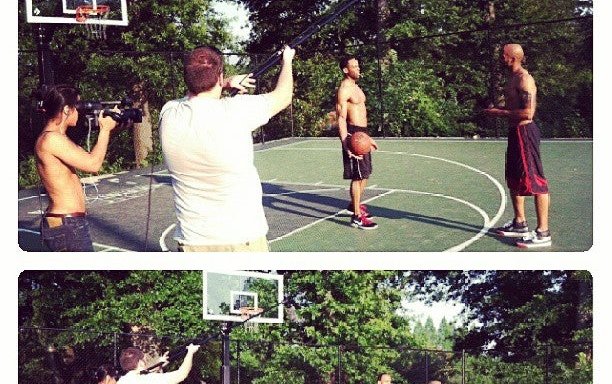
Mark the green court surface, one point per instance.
(430, 195)
(434, 195)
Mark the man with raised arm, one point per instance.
(352, 117)
(132, 361)
(208, 148)
(524, 171)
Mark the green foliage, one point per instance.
(439, 63)
(28, 173)
(317, 79)
(122, 65)
(352, 315)
(521, 312)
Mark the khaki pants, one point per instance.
(258, 245)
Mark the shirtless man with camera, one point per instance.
(64, 225)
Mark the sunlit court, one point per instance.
(431, 195)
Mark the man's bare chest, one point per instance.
(357, 96)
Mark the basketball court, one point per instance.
(426, 195)
(431, 195)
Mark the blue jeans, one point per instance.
(71, 236)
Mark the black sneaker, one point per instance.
(513, 229)
(536, 239)
(362, 222)
(362, 207)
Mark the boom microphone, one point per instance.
(181, 351)
(314, 28)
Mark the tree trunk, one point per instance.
(495, 77)
(382, 10)
(143, 132)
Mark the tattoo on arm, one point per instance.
(526, 99)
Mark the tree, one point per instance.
(351, 308)
(140, 61)
(517, 312)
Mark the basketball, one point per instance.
(361, 143)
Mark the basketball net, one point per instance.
(95, 31)
(247, 313)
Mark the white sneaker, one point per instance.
(512, 229)
(536, 239)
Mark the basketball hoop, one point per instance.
(85, 13)
(247, 313)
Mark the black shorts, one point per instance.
(524, 171)
(355, 169)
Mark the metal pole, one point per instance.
(115, 350)
(426, 366)
(291, 112)
(379, 21)
(225, 351)
(547, 362)
(339, 369)
(45, 68)
(463, 366)
(238, 362)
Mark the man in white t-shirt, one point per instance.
(132, 361)
(207, 146)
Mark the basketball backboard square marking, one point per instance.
(241, 299)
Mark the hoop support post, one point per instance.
(226, 329)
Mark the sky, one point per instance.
(237, 16)
(437, 311)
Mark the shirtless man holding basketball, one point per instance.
(524, 172)
(352, 117)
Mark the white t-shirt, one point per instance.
(133, 377)
(208, 149)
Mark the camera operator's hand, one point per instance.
(240, 82)
(107, 123)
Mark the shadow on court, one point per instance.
(140, 221)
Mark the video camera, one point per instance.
(124, 115)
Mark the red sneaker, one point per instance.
(362, 222)
(362, 207)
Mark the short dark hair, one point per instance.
(130, 357)
(380, 375)
(104, 370)
(53, 99)
(202, 68)
(344, 61)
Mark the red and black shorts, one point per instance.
(355, 169)
(524, 172)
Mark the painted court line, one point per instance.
(323, 219)
(456, 248)
(488, 223)
(304, 191)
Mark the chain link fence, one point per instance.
(412, 91)
(64, 356)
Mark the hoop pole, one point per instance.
(225, 353)
(463, 366)
(305, 35)
(45, 69)
(225, 332)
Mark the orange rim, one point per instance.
(83, 12)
